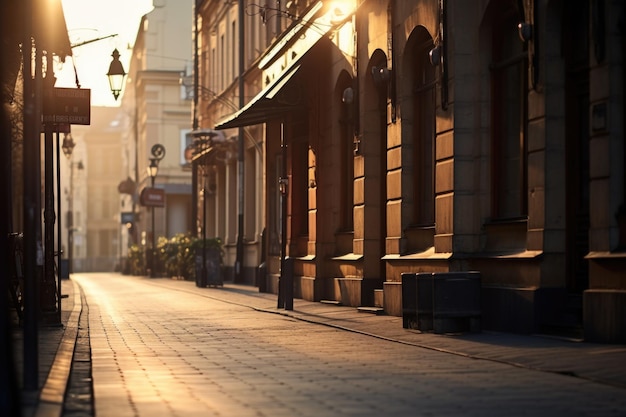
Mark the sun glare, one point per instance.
(94, 19)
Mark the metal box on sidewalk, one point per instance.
(65, 268)
(211, 275)
(416, 300)
(409, 300)
(456, 305)
(441, 302)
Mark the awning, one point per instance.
(50, 29)
(265, 106)
(282, 61)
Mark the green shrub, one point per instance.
(177, 255)
(136, 259)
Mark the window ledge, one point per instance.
(348, 257)
(511, 254)
(606, 255)
(506, 220)
(427, 254)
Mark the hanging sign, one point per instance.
(67, 106)
(152, 197)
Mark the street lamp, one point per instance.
(116, 74)
(153, 169)
(68, 145)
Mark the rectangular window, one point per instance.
(222, 61)
(508, 95)
(212, 78)
(185, 141)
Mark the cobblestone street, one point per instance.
(164, 347)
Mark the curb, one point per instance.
(53, 391)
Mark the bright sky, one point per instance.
(92, 19)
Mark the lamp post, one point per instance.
(158, 153)
(153, 169)
(68, 147)
(203, 278)
(241, 148)
(285, 280)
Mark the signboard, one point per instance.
(128, 217)
(67, 106)
(152, 197)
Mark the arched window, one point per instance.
(347, 96)
(424, 107)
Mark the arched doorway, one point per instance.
(419, 125)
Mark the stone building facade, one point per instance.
(156, 111)
(442, 136)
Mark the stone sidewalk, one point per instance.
(55, 352)
(605, 364)
(601, 363)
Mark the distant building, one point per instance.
(156, 110)
(94, 168)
